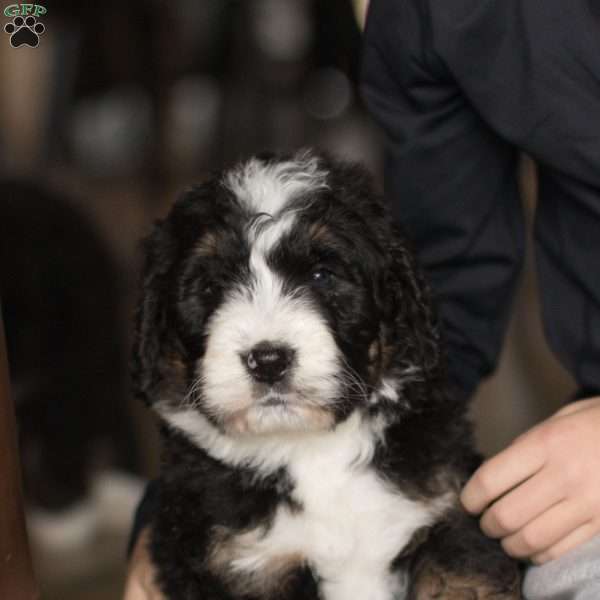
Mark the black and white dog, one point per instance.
(312, 450)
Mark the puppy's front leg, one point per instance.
(457, 562)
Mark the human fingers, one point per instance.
(574, 407)
(521, 460)
(545, 531)
(521, 505)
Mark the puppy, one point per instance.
(312, 450)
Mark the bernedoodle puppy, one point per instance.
(312, 449)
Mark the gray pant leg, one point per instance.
(575, 576)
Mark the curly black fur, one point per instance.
(380, 315)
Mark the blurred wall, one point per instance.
(529, 384)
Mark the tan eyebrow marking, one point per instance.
(206, 245)
(318, 231)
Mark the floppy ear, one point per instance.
(412, 321)
(151, 341)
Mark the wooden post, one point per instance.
(16, 573)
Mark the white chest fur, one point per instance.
(351, 525)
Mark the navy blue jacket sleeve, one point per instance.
(459, 89)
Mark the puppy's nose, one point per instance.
(268, 362)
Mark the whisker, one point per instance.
(355, 387)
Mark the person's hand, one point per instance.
(541, 495)
(140, 584)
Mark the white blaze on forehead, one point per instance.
(263, 234)
(268, 187)
(262, 309)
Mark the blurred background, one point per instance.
(118, 107)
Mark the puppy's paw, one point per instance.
(435, 584)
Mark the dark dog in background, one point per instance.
(312, 448)
(61, 298)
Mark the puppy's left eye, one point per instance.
(322, 277)
(208, 291)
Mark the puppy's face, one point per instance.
(268, 304)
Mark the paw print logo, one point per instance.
(24, 32)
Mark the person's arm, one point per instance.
(531, 71)
(455, 85)
(449, 179)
